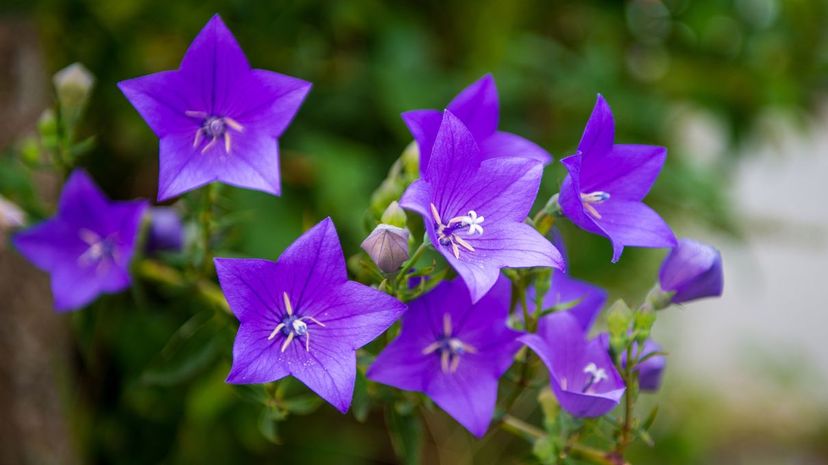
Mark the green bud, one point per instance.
(73, 85)
(411, 160)
(619, 319)
(394, 215)
(643, 325)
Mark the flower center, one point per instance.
(101, 250)
(449, 347)
(594, 198)
(447, 233)
(293, 326)
(213, 128)
(596, 375)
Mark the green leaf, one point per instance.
(269, 426)
(190, 350)
(302, 405)
(406, 434)
(361, 405)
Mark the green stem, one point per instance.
(532, 433)
(160, 273)
(410, 263)
(206, 220)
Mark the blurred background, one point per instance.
(736, 89)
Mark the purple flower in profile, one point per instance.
(87, 246)
(606, 184)
(453, 350)
(478, 108)
(305, 293)
(217, 118)
(586, 299)
(651, 364)
(581, 372)
(692, 271)
(474, 209)
(166, 233)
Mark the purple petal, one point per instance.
(423, 125)
(599, 133)
(627, 172)
(328, 371)
(214, 66)
(512, 245)
(162, 100)
(166, 231)
(256, 359)
(454, 156)
(82, 202)
(355, 314)
(478, 107)
(651, 370)
(570, 196)
(250, 287)
(50, 244)
(565, 289)
(466, 395)
(268, 101)
(692, 270)
(633, 224)
(505, 144)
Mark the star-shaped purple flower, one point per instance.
(581, 372)
(692, 271)
(217, 119)
(87, 246)
(606, 184)
(478, 108)
(301, 316)
(474, 209)
(454, 351)
(586, 299)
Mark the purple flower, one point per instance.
(305, 293)
(217, 119)
(587, 298)
(602, 193)
(650, 370)
(165, 231)
(474, 209)
(87, 246)
(453, 350)
(581, 372)
(692, 271)
(477, 107)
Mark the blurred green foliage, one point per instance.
(370, 60)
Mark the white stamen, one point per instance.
(288, 306)
(447, 325)
(287, 342)
(276, 331)
(594, 198)
(597, 374)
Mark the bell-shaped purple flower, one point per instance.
(87, 246)
(581, 372)
(586, 299)
(606, 184)
(301, 316)
(692, 271)
(166, 232)
(453, 350)
(217, 118)
(474, 209)
(478, 107)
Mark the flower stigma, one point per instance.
(594, 198)
(293, 326)
(596, 375)
(447, 234)
(449, 347)
(101, 251)
(214, 128)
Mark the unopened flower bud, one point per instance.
(166, 232)
(394, 215)
(73, 85)
(387, 246)
(11, 216)
(691, 271)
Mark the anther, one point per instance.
(594, 198)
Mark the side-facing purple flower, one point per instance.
(581, 372)
(166, 233)
(217, 118)
(586, 299)
(650, 369)
(306, 292)
(460, 190)
(692, 271)
(606, 184)
(478, 108)
(87, 246)
(454, 351)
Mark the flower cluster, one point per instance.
(218, 119)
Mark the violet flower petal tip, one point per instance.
(692, 270)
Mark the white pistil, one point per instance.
(451, 348)
(214, 127)
(594, 198)
(294, 326)
(596, 375)
(472, 220)
(97, 251)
